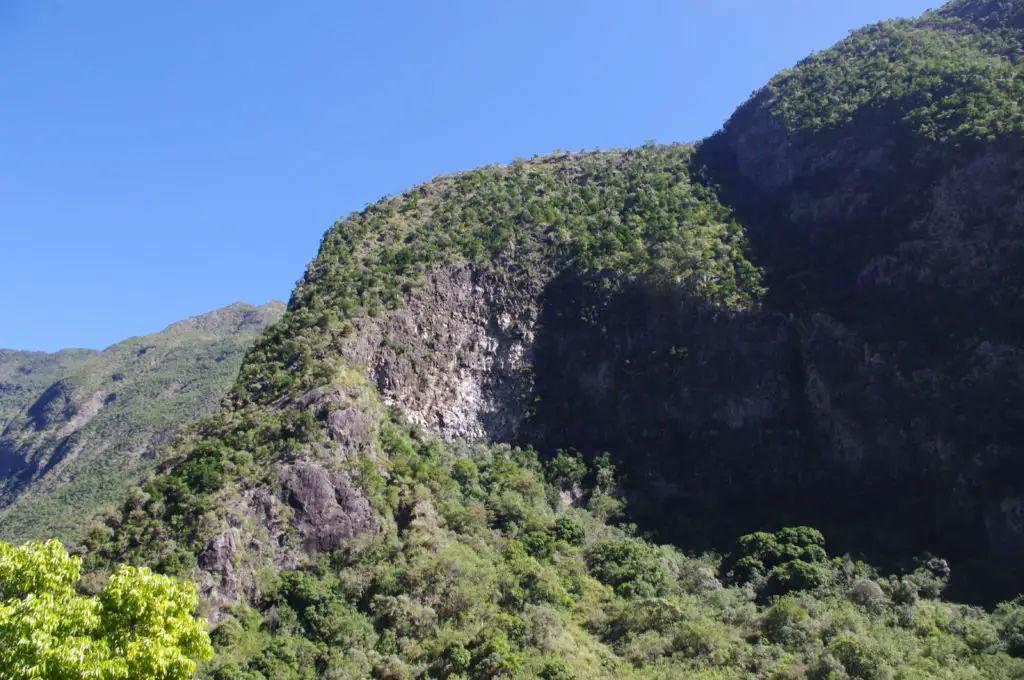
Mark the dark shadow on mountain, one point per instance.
(726, 422)
(53, 404)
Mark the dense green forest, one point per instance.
(953, 76)
(644, 413)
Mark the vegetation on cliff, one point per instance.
(482, 571)
(953, 75)
(331, 537)
(878, 183)
(489, 562)
(631, 212)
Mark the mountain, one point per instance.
(879, 184)
(90, 424)
(492, 395)
(25, 375)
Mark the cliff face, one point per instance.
(873, 395)
(604, 302)
(722, 421)
(875, 391)
(95, 431)
(880, 188)
(905, 285)
(456, 358)
(442, 303)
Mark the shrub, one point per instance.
(569, 530)
(797, 575)
(1009, 618)
(630, 566)
(866, 593)
(781, 623)
(566, 470)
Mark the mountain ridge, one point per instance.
(111, 411)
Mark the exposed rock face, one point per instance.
(222, 578)
(874, 396)
(456, 358)
(350, 429)
(328, 508)
(728, 421)
(320, 507)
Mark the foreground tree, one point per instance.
(140, 626)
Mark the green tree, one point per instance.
(140, 626)
(567, 470)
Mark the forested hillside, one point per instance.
(645, 413)
(25, 375)
(78, 442)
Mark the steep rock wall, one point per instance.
(722, 421)
(912, 250)
(457, 357)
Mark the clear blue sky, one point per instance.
(159, 159)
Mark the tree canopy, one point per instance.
(141, 625)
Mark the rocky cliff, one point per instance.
(879, 183)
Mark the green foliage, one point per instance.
(791, 559)
(482, 572)
(479, 570)
(782, 622)
(569, 530)
(566, 470)
(930, 577)
(630, 566)
(1009, 617)
(26, 375)
(141, 625)
(939, 76)
(798, 575)
(120, 406)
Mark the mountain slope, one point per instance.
(94, 432)
(359, 508)
(346, 515)
(25, 375)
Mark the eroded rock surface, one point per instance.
(457, 356)
(328, 508)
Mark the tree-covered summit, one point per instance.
(628, 212)
(952, 75)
